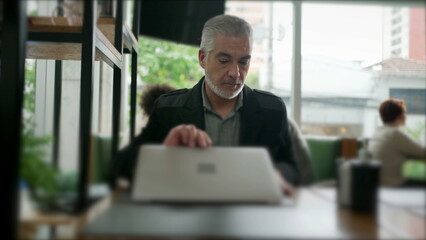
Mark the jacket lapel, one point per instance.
(251, 118)
(194, 111)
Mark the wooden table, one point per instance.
(314, 215)
(401, 215)
(69, 224)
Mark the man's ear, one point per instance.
(202, 58)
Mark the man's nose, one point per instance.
(234, 71)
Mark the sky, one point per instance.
(349, 32)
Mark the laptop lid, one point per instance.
(216, 174)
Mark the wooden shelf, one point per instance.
(60, 24)
(65, 51)
(72, 51)
(55, 38)
(51, 24)
(53, 51)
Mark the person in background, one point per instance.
(391, 145)
(151, 93)
(221, 110)
(147, 100)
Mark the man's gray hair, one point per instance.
(226, 25)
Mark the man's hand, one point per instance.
(187, 135)
(286, 187)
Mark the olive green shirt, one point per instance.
(222, 131)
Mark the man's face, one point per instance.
(226, 66)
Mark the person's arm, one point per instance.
(181, 135)
(284, 158)
(123, 164)
(301, 153)
(409, 146)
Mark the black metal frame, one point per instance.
(86, 96)
(116, 91)
(57, 110)
(14, 37)
(12, 79)
(133, 84)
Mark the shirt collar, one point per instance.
(207, 105)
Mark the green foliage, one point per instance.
(414, 169)
(33, 13)
(416, 130)
(176, 64)
(167, 62)
(40, 176)
(252, 80)
(29, 97)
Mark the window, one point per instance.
(414, 99)
(396, 52)
(349, 64)
(396, 10)
(396, 41)
(396, 31)
(335, 87)
(396, 20)
(270, 67)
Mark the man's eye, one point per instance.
(244, 63)
(223, 61)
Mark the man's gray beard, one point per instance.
(218, 91)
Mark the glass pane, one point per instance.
(351, 64)
(270, 67)
(164, 62)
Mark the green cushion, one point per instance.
(414, 170)
(101, 154)
(324, 152)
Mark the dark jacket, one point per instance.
(263, 123)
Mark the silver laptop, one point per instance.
(216, 174)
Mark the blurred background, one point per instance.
(332, 63)
(354, 55)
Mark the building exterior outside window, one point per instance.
(346, 63)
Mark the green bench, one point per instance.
(326, 150)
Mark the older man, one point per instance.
(220, 110)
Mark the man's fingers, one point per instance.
(193, 132)
(187, 135)
(288, 189)
(201, 141)
(204, 140)
(182, 134)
